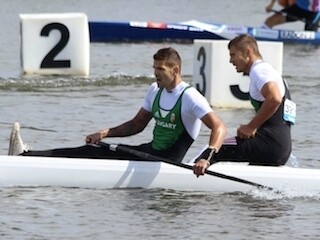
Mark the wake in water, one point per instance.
(44, 83)
(284, 194)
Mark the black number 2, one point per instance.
(48, 61)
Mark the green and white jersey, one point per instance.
(175, 112)
(169, 126)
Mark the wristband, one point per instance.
(208, 155)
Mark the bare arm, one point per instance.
(134, 126)
(218, 130)
(273, 99)
(270, 6)
(217, 136)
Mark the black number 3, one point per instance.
(48, 61)
(202, 54)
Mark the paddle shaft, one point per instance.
(145, 155)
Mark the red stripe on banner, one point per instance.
(157, 25)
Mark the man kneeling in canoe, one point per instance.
(178, 110)
(266, 138)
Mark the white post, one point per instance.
(55, 44)
(217, 79)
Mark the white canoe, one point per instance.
(108, 174)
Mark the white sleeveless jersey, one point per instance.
(260, 74)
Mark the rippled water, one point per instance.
(60, 111)
(58, 213)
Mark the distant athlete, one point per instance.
(303, 10)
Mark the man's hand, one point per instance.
(270, 6)
(95, 138)
(200, 167)
(246, 132)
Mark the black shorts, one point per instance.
(270, 147)
(295, 13)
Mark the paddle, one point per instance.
(145, 155)
(291, 16)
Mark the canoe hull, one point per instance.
(108, 174)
